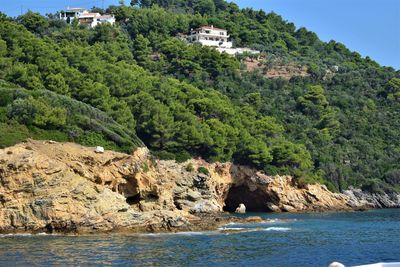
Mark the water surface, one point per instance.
(312, 239)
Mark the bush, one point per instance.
(96, 139)
(37, 112)
(163, 155)
(182, 156)
(392, 177)
(373, 186)
(189, 167)
(12, 134)
(145, 167)
(203, 170)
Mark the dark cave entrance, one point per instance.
(255, 201)
(132, 200)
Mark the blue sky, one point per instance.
(370, 27)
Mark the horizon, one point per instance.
(355, 28)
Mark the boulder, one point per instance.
(99, 149)
(206, 206)
(241, 208)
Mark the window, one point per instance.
(222, 33)
(207, 31)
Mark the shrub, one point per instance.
(373, 186)
(393, 177)
(203, 170)
(182, 156)
(145, 167)
(164, 155)
(189, 167)
(12, 134)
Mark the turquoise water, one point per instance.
(314, 239)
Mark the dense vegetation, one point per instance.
(44, 114)
(338, 126)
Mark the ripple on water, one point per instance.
(317, 240)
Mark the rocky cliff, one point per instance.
(359, 198)
(49, 186)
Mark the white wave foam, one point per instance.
(257, 229)
(233, 223)
(16, 235)
(281, 229)
(231, 229)
(28, 234)
(278, 221)
(44, 234)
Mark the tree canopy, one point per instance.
(114, 85)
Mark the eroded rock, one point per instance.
(49, 186)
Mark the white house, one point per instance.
(218, 38)
(106, 19)
(70, 14)
(94, 19)
(84, 17)
(210, 36)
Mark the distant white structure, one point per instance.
(94, 19)
(217, 38)
(70, 14)
(238, 51)
(84, 17)
(210, 36)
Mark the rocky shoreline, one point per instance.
(53, 187)
(359, 198)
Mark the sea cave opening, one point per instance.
(255, 201)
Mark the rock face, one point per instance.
(49, 186)
(359, 198)
(66, 187)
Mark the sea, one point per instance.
(306, 239)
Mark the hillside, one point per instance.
(44, 114)
(188, 101)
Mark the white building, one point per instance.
(85, 17)
(70, 14)
(94, 19)
(210, 36)
(218, 38)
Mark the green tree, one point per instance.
(393, 89)
(33, 21)
(204, 6)
(56, 83)
(37, 112)
(141, 50)
(314, 101)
